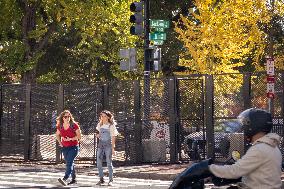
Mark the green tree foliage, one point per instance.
(170, 10)
(63, 40)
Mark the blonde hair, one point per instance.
(110, 117)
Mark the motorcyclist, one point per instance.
(259, 168)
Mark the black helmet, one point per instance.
(255, 120)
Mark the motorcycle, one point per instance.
(195, 176)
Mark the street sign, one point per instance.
(270, 77)
(270, 66)
(159, 29)
(159, 24)
(157, 36)
(157, 42)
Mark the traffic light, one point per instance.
(154, 57)
(137, 18)
(157, 59)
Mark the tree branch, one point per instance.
(44, 40)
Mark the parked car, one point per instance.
(227, 138)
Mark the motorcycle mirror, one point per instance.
(236, 155)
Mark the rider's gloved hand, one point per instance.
(192, 174)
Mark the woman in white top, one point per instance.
(106, 144)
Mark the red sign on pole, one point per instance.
(270, 79)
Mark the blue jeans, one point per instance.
(70, 154)
(108, 153)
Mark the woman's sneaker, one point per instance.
(72, 182)
(110, 183)
(62, 181)
(101, 181)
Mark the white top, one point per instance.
(112, 129)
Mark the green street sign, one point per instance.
(159, 24)
(159, 29)
(157, 36)
(157, 42)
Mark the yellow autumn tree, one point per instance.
(220, 35)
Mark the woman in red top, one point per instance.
(68, 134)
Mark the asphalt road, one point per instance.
(48, 179)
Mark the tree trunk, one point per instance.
(28, 25)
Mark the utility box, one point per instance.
(154, 150)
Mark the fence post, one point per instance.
(282, 101)
(172, 121)
(247, 90)
(60, 107)
(138, 123)
(209, 115)
(1, 111)
(27, 123)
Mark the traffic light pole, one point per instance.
(146, 37)
(147, 59)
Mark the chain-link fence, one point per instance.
(159, 120)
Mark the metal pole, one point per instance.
(27, 123)
(60, 107)
(1, 111)
(270, 46)
(269, 105)
(147, 55)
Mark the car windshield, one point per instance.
(231, 126)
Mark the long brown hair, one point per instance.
(59, 119)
